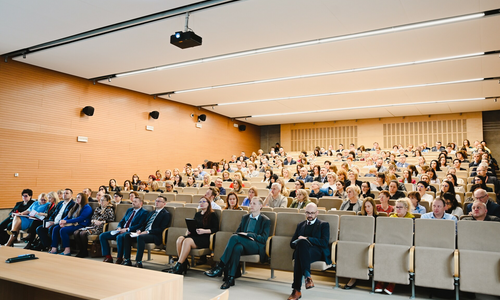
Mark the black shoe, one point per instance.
(348, 287)
(127, 262)
(228, 283)
(216, 271)
(138, 264)
(177, 269)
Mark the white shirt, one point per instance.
(61, 211)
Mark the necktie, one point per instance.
(308, 223)
(127, 225)
(150, 221)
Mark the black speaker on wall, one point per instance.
(242, 127)
(154, 114)
(202, 118)
(88, 111)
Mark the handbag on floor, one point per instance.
(95, 249)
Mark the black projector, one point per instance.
(185, 39)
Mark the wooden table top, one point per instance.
(78, 277)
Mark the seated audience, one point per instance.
(78, 217)
(112, 186)
(380, 182)
(102, 214)
(479, 212)
(207, 223)
(232, 201)
(340, 190)
(32, 242)
(301, 200)
(299, 184)
(416, 207)
(275, 198)
(252, 192)
(492, 208)
(438, 211)
(365, 191)
(394, 192)
(151, 231)
(452, 206)
(384, 206)
(315, 192)
(23, 220)
(18, 208)
(353, 203)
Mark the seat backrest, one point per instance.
(148, 208)
(329, 203)
(286, 223)
(394, 231)
(186, 198)
(181, 213)
(435, 233)
(197, 197)
(285, 209)
(478, 236)
(357, 229)
(190, 190)
(120, 211)
(171, 210)
(150, 197)
(333, 221)
(169, 196)
(341, 212)
(230, 220)
(272, 217)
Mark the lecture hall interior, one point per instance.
(299, 73)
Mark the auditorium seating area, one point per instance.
(416, 253)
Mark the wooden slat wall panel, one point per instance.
(308, 138)
(40, 121)
(415, 133)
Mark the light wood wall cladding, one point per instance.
(40, 121)
(308, 138)
(429, 131)
(445, 128)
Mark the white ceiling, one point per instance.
(253, 24)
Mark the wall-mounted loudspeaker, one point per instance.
(242, 127)
(202, 118)
(88, 111)
(154, 114)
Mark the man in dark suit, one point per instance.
(133, 220)
(289, 161)
(310, 242)
(19, 207)
(250, 238)
(150, 232)
(61, 211)
(322, 175)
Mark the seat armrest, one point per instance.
(268, 246)
(212, 240)
(164, 236)
(105, 227)
(456, 264)
(370, 256)
(412, 260)
(334, 252)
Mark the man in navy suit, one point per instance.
(150, 232)
(62, 208)
(310, 242)
(250, 238)
(134, 219)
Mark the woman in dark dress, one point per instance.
(207, 223)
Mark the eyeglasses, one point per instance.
(482, 197)
(311, 213)
(400, 207)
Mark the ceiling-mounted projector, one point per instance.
(185, 39)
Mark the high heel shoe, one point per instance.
(177, 269)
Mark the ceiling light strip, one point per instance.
(319, 41)
(369, 107)
(440, 59)
(353, 92)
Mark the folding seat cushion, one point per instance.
(393, 241)
(355, 238)
(229, 222)
(178, 227)
(478, 245)
(281, 252)
(434, 253)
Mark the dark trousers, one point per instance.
(45, 234)
(237, 246)
(6, 224)
(106, 236)
(304, 255)
(141, 244)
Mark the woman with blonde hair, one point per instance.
(284, 191)
(52, 199)
(155, 187)
(301, 200)
(285, 174)
(207, 181)
(168, 175)
(403, 208)
(352, 203)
